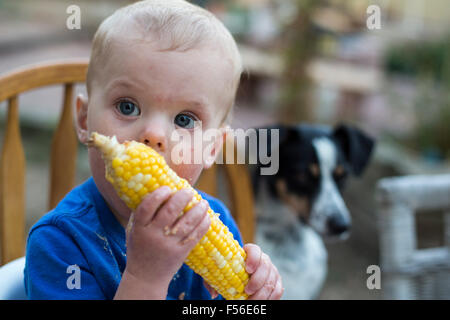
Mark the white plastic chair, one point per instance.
(11, 280)
(409, 272)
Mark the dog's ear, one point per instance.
(286, 134)
(357, 146)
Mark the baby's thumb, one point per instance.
(210, 289)
(129, 226)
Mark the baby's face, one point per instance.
(143, 94)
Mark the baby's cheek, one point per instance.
(117, 206)
(97, 165)
(191, 167)
(190, 172)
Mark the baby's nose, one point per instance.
(156, 143)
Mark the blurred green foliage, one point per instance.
(428, 64)
(418, 58)
(432, 133)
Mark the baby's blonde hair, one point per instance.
(175, 25)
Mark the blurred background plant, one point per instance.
(428, 63)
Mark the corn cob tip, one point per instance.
(98, 140)
(109, 146)
(93, 139)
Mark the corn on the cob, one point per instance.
(134, 170)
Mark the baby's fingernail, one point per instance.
(248, 291)
(162, 191)
(249, 268)
(166, 189)
(187, 190)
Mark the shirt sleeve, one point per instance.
(56, 269)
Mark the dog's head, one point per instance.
(314, 163)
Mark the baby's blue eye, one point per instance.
(185, 121)
(128, 108)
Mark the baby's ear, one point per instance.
(81, 108)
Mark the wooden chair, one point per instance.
(63, 157)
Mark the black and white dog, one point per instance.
(301, 202)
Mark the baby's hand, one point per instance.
(265, 281)
(159, 239)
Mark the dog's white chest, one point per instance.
(296, 250)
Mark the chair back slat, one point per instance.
(241, 199)
(43, 74)
(12, 184)
(239, 190)
(63, 152)
(207, 181)
(12, 165)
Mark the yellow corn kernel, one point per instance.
(116, 163)
(143, 191)
(119, 171)
(134, 170)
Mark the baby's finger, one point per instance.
(189, 221)
(145, 212)
(172, 209)
(253, 259)
(269, 285)
(277, 293)
(191, 239)
(260, 276)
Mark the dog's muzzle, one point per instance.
(337, 225)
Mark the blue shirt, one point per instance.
(77, 251)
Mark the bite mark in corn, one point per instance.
(134, 170)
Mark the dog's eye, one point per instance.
(339, 172)
(314, 170)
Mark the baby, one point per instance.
(156, 66)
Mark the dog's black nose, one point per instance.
(338, 225)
